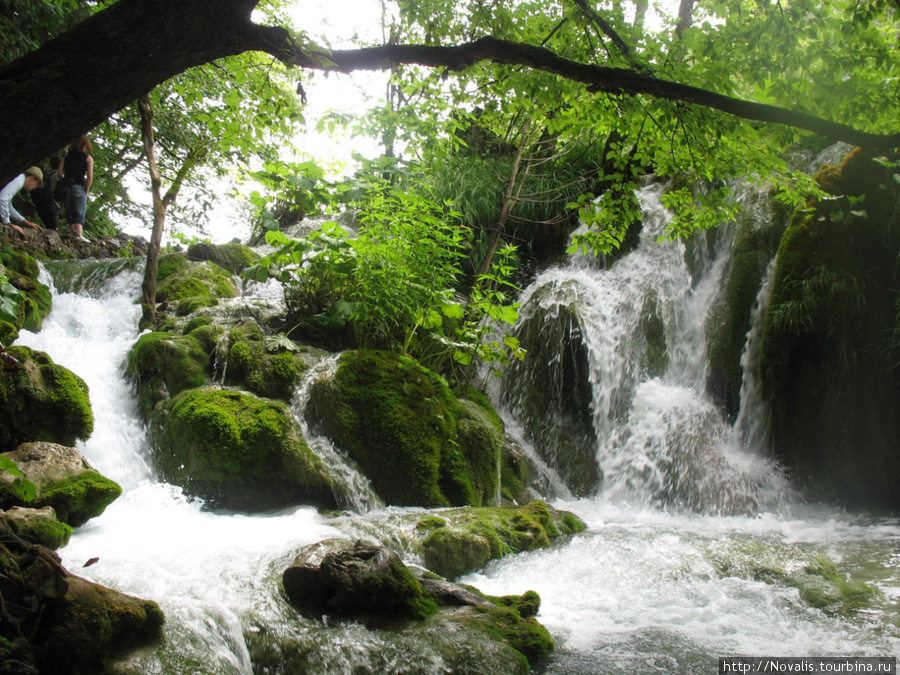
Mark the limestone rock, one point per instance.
(63, 479)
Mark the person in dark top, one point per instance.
(78, 171)
(44, 201)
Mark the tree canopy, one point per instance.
(718, 88)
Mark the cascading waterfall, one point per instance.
(643, 590)
(656, 437)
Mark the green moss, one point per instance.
(812, 573)
(426, 523)
(194, 304)
(396, 420)
(237, 451)
(43, 401)
(253, 367)
(91, 626)
(233, 257)
(8, 333)
(472, 537)
(79, 498)
(505, 624)
(23, 271)
(163, 365)
(179, 278)
(195, 323)
(49, 533)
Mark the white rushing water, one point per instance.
(641, 591)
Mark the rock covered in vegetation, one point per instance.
(237, 451)
(268, 368)
(811, 572)
(38, 526)
(233, 257)
(413, 438)
(758, 229)
(164, 364)
(35, 301)
(42, 401)
(462, 541)
(830, 349)
(63, 479)
(65, 244)
(59, 624)
(180, 280)
(367, 583)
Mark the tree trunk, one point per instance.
(148, 288)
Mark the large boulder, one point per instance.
(370, 584)
(63, 479)
(42, 401)
(413, 438)
(830, 346)
(186, 284)
(237, 451)
(362, 581)
(268, 368)
(233, 257)
(164, 364)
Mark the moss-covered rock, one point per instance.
(368, 583)
(38, 526)
(164, 364)
(42, 401)
(233, 257)
(180, 278)
(811, 572)
(470, 538)
(23, 271)
(401, 423)
(63, 479)
(237, 451)
(90, 626)
(829, 348)
(271, 372)
(371, 585)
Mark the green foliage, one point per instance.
(21, 486)
(394, 285)
(10, 297)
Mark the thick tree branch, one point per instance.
(75, 82)
(598, 79)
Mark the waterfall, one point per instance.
(640, 368)
(358, 493)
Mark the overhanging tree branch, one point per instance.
(600, 79)
(78, 80)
